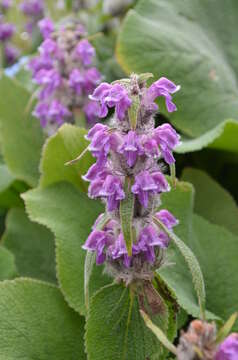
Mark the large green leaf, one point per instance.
(32, 245)
(212, 201)
(183, 42)
(62, 147)
(215, 249)
(6, 178)
(115, 329)
(69, 214)
(21, 134)
(36, 323)
(7, 264)
(191, 261)
(180, 202)
(222, 137)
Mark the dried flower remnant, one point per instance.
(128, 177)
(200, 342)
(65, 75)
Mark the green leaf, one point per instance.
(60, 148)
(215, 248)
(158, 333)
(226, 328)
(90, 260)
(126, 215)
(88, 268)
(222, 137)
(180, 202)
(7, 264)
(133, 111)
(114, 317)
(183, 44)
(192, 263)
(69, 214)
(21, 134)
(36, 323)
(212, 201)
(32, 245)
(6, 178)
(9, 197)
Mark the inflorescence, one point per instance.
(128, 177)
(66, 77)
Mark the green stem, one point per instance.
(173, 174)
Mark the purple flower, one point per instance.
(51, 80)
(85, 52)
(6, 31)
(91, 110)
(48, 47)
(97, 241)
(162, 87)
(228, 349)
(148, 239)
(46, 27)
(58, 112)
(32, 7)
(41, 112)
(95, 129)
(118, 251)
(150, 146)
(113, 191)
(147, 184)
(96, 171)
(6, 4)
(167, 139)
(112, 96)
(119, 98)
(11, 54)
(167, 218)
(160, 181)
(64, 78)
(76, 81)
(102, 141)
(38, 63)
(131, 148)
(109, 187)
(99, 95)
(92, 78)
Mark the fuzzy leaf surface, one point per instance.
(7, 264)
(212, 201)
(70, 215)
(194, 50)
(117, 320)
(32, 244)
(21, 134)
(64, 146)
(36, 323)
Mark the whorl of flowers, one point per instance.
(64, 72)
(10, 52)
(200, 342)
(34, 11)
(128, 177)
